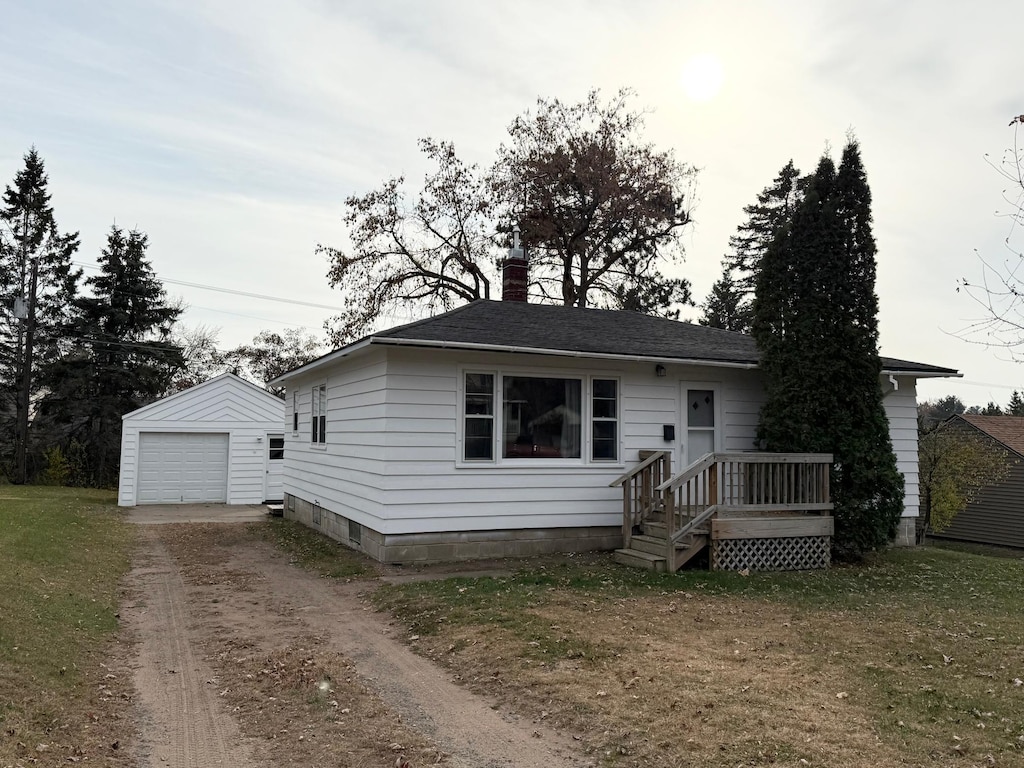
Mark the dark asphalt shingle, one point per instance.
(545, 327)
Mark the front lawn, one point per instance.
(63, 552)
(914, 659)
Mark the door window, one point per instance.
(275, 448)
(700, 423)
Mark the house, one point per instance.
(497, 428)
(219, 441)
(996, 514)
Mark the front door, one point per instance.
(273, 487)
(700, 428)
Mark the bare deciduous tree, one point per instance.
(999, 291)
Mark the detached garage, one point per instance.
(221, 441)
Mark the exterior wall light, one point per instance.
(659, 370)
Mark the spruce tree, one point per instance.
(123, 360)
(816, 326)
(730, 303)
(1016, 405)
(725, 307)
(774, 208)
(29, 233)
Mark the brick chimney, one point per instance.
(514, 272)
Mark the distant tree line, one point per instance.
(78, 353)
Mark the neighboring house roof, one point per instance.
(1007, 430)
(509, 326)
(269, 399)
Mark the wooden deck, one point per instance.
(757, 511)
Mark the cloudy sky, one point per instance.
(232, 131)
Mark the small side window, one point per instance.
(605, 420)
(295, 411)
(319, 415)
(478, 417)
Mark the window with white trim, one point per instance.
(478, 420)
(542, 417)
(319, 415)
(604, 414)
(295, 411)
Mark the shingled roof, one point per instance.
(600, 332)
(1008, 430)
(557, 330)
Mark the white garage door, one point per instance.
(182, 467)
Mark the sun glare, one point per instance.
(702, 77)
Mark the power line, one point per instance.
(233, 291)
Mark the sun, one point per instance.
(702, 77)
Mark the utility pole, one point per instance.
(25, 397)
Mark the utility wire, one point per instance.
(226, 290)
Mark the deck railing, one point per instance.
(721, 485)
(728, 484)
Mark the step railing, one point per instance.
(642, 502)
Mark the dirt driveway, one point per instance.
(246, 660)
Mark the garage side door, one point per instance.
(182, 468)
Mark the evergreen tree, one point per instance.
(773, 210)
(730, 304)
(726, 306)
(1016, 406)
(123, 359)
(931, 413)
(816, 326)
(29, 233)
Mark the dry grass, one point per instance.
(65, 691)
(913, 660)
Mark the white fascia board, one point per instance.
(327, 359)
(921, 374)
(474, 347)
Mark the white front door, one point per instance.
(273, 488)
(701, 425)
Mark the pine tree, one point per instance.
(773, 210)
(816, 325)
(1016, 406)
(123, 359)
(725, 307)
(29, 233)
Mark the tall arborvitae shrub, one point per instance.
(816, 323)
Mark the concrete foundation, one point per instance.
(906, 534)
(447, 546)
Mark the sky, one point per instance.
(231, 131)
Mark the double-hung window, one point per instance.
(478, 424)
(541, 417)
(319, 415)
(604, 415)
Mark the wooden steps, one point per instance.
(637, 559)
(648, 550)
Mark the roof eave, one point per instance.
(327, 359)
(922, 374)
(476, 347)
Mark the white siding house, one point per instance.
(496, 428)
(220, 441)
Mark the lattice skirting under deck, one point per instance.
(781, 554)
